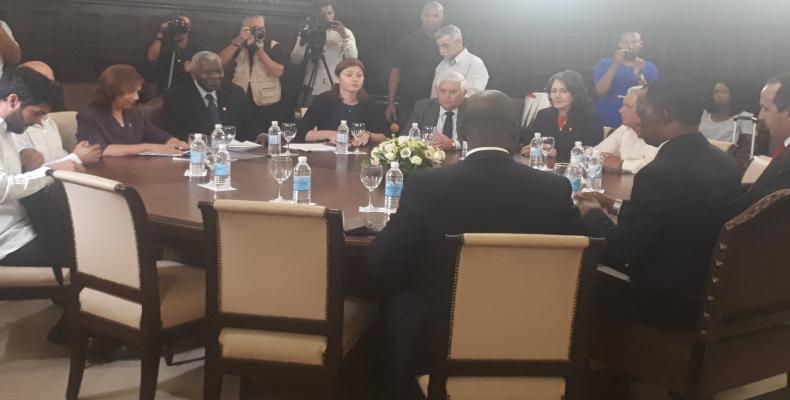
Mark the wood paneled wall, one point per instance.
(521, 41)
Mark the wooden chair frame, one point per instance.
(327, 375)
(574, 371)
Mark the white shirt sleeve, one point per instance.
(633, 166)
(477, 77)
(297, 54)
(15, 187)
(611, 144)
(349, 45)
(7, 30)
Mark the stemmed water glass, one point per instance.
(358, 130)
(370, 175)
(280, 168)
(289, 133)
(427, 132)
(230, 134)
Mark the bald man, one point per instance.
(457, 199)
(41, 144)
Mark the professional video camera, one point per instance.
(178, 26)
(314, 33)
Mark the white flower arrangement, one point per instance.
(409, 153)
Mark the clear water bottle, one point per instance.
(594, 171)
(217, 137)
(574, 175)
(302, 182)
(222, 168)
(197, 156)
(341, 140)
(393, 187)
(536, 152)
(577, 154)
(464, 148)
(414, 131)
(275, 146)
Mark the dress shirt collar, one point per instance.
(787, 142)
(203, 92)
(3, 126)
(459, 58)
(442, 111)
(479, 149)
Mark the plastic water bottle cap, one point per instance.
(342, 122)
(537, 134)
(578, 144)
(414, 125)
(394, 164)
(198, 136)
(218, 126)
(302, 159)
(274, 123)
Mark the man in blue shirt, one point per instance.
(613, 76)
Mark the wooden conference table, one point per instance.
(171, 198)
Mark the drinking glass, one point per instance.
(289, 133)
(548, 145)
(358, 130)
(209, 160)
(370, 175)
(230, 134)
(427, 132)
(561, 169)
(280, 168)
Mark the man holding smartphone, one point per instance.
(613, 76)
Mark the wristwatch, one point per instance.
(615, 210)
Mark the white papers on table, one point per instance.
(156, 154)
(310, 147)
(236, 145)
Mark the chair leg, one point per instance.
(79, 351)
(150, 371)
(212, 380)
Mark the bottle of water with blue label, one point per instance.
(222, 168)
(392, 187)
(217, 137)
(574, 175)
(414, 131)
(577, 154)
(197, 156)
(302, 182)
(536, 152)
(341, 140)
(595, 171)
(274, 139)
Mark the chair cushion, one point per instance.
(20, 277)
(500, 388)
(182, 296)
(296, 348)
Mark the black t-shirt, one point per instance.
(417, 57)
(327, 110)
(182, 56)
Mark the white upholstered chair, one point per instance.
(67, 127)
(515, 313)
(25, 283)
(275, 299)
(118, 288)
(726, 147)
(755, 169)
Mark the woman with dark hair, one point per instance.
(114, 122)
(570, 118)
(347, 101)
(725, 103)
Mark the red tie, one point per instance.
(779, 151)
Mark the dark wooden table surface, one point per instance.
(171, 198)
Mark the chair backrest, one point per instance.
(755, 169)
(607, 130)
(275, 262)
(78, 95)
(153, 110)
(726, 147)
(748, 295)
(112, 257)
(517, 305)
(67, 127)
(533, 103)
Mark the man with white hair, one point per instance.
(623, 150)
(207, 100)
(442, 112)
(457, 58)
(414, 64)
(259, 63)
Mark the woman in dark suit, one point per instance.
(570, 118)
(346, 101)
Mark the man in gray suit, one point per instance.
(442, 112)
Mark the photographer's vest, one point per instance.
(252, 76)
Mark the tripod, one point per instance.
(315, 55)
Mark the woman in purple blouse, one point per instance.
(114, 121)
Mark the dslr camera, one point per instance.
(629, 55)
(178, 26)
(258, 33)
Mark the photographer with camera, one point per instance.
(325, 42)
(259, 64)
(613, 76)
(171, 50)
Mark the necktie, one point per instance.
(213, 111)
(447, 129)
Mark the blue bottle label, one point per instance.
(536, 152)
(393, 189)
(576, 184)
(341, 138)
(302, 183)
(196, 157)
(274, 139)
(222, 169)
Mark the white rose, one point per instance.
(405, 152)
(438, 156)
(403, 140)
(416, 161)
(389, 148)
(389, 156)
(374, 161)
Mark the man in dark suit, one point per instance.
(206, 100)
(442, 112)
(775, 113)
(487, 192)
(666, 232)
